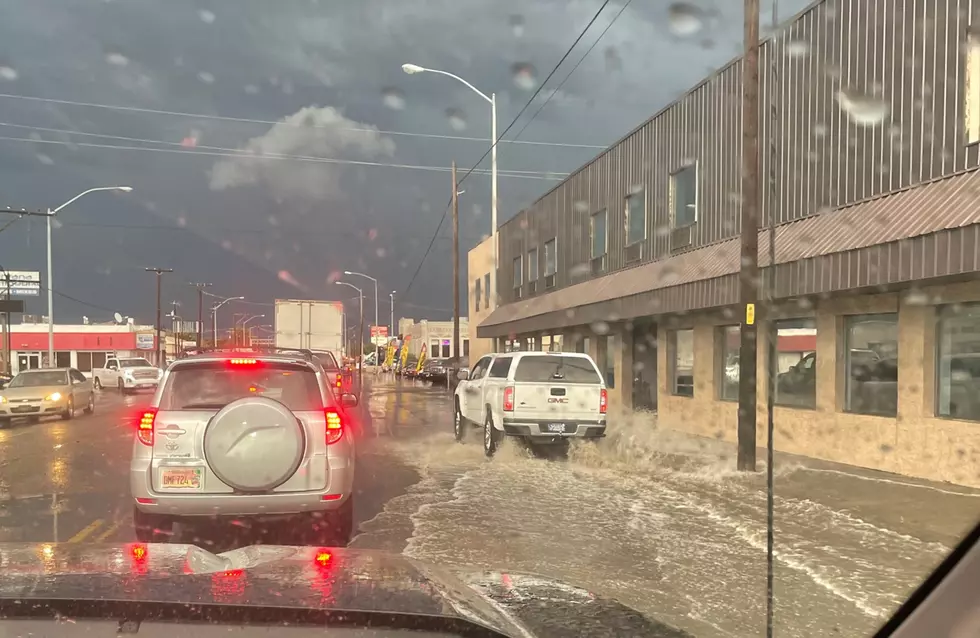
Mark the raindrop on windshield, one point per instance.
(684, 19)
(226, 244)
(56, 223)
(457, 119)
(797, 48)
(273, 220)
(251, 89)
(207, 17)
(7, 73)
(393, 98)
(284, 275)
(206, 77)
(517, 25)
(524, 75)
(580, 206)
(116, 59)
(862, 109)
(44, 159)
(600, 327)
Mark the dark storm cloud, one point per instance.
(271, 61)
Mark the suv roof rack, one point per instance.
(305, 352)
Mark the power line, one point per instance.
(78, 301)
(509, 126)
(265, 156)
(577, 64)
(225, 118)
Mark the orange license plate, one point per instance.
(185, 479)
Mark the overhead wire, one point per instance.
(245, 120)
(497, 141)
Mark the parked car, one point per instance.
(435, 370)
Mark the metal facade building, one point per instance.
(845, 179)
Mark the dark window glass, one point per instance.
(871, 364)
(726, 378)
(500, 367)
(599, 233)
(554, 368)
(85, 361)
(681, 359)
(796, 359)
(62, 359)
(636, 218)
(684, 196)
(958, 367)
(211, 386)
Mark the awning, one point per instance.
(923, 232)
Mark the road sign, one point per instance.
(144, 341)
(12, 305)
(23, 283)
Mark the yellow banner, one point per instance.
(390, 356)
(405, 351)
(421, 361)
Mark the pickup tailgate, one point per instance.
(556, 388)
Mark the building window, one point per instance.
(598, 234)
(62, 359)
(636, 218)
(871, 364)
(85, 361)
(447, 350)
(684, 197)
(518, 272)
(958, 367)
(610, 362)
(466, 347)
(433, 349)
(727, 340)
(99, 359)
(550, 258)
(796, 363)
(487, 293)
(971, 89)
(532, 265)
(476, 293)
(680, 344)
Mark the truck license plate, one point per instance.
(189, 478)
(556, 427)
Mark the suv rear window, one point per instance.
(553, 368)
(215, 384)
(327, 360)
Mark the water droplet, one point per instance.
(273, 220)
(600, 327)
(251, 89)
(580, 270)
(916, 298)
(580, 206)
(517, 25)
(8, 73)
(288, 278)
(797, 48)
(819, 130)
(207, 78)
(524, 75)
(613, 61)
(393, 98)
(226, 244)
(116, 59)
(207, 17)
(44, 159)
(457, 119)
(684, 19)
(381, 252)
(182, 221)
(372, 234)
(56, 223)
(862, 109)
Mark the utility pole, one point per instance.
(749, 273)
(159, 272)
(200, 312)
(176, 327)
(391, 296)
(6, 326)
(455, 277)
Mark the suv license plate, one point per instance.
(556, 427)
(188, 479)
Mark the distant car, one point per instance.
(127, 374)
(538, 396)
(435, 370)
(260, 435)
(340, 378)
(57, 392)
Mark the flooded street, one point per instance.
(665, 525)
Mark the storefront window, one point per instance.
(726, 374)
(681, 359)
(958, 365)
(434, 349)
(446, 348)
(466, 347)
(62, 359)
(871, 364)
(796, 363)
(610, 363)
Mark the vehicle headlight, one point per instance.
(54, 396)
(3, 399)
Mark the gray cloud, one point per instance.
(311, 132)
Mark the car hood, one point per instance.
(343, 580)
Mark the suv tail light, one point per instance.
(335, 427)
(145, 431)
(509, 399)
(603, 400)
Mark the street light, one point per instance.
(214, 317)
(412, 69)
(360, 330)
(360, 274)
(244, 323)
(391, 296)
(51, 213)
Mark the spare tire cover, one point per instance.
(254, 444)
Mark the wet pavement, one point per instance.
(661, 522)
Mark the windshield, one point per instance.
(674, 302)
(37, 379)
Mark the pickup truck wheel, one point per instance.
(459, 423)
(491, 438)
(122, 388)
(97, 383)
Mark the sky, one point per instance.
(273, 144)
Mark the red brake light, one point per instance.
(509, 399)
(145, 431)
(335, 427)
(603, 400)
(242, 362)
(323, 557)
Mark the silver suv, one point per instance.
(244, 434)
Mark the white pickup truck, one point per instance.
(128, 374)
(541, 397)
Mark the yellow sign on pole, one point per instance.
(749, 314)
(404, 357)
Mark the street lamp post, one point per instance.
(244, 323)
(214, 316)
(49, 215)
(412, 69)
(160, 348)
(360, 274)
(391, 296)
(360, 332)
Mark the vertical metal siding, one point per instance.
(910, 53)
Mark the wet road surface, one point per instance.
(661, 523)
